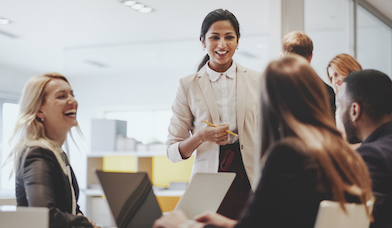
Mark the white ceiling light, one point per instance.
(137, 6)
(4, 21)
(129, 3)
(145, 10)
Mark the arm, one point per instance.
(180, 143)
(39, 174)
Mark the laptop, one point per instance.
(205, 192)
(133, 202)
(32, 217)
(130, 198)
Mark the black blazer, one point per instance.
(40, 182)
(376, 150)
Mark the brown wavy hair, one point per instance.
(294, 103)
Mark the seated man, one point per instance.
(366, 101)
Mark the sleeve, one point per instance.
(377, 166)
(181, 124)
(39, 180)
(283, 197)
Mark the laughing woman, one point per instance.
(224, 93)
(44, 177)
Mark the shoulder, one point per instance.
(38, 154)
(289, 153)
(248, 71)
(373, 152)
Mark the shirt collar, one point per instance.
(213, 75)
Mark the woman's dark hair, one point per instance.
(212, 17)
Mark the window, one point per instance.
(374, 42)
(326, 23)
(9, 114)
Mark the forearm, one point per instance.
(189, 145)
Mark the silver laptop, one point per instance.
(32, 217)
(205, 193)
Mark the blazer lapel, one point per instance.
(205, 86)
(241, 97)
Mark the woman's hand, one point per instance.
(215, 219)
(216, 135)
(173, 220)
(89, 220)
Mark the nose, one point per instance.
(72, 101)
(222, 43)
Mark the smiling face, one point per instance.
(221, 42)
(59, 109)
(336, 78)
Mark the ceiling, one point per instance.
(94, 36)
(104, 37)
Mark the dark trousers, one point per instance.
(230, 160)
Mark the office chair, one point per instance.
(331, 215)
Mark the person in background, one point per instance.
(44, 177)
(304, 158)
(365, 99)
(338, 68)
(298, 42)
(225, 94)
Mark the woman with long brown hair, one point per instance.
(305, 160)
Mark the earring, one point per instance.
(236, 48)
(42, 119)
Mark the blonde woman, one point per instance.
(44, 177)
(307, 160)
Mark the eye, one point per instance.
(214, 37)
(230, 37)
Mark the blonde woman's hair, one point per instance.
(295, 104)
(344, 64)
(29, 128)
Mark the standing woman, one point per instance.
(338, 68)
(224, 93)
(44, 177)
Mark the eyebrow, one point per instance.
(64, 91)
(229, 33)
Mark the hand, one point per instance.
(216, 135)
(89, 220)
(172, 220)
(215, 219)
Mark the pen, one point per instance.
(217, 126)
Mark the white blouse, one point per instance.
(224, 86)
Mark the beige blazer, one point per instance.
(195, 102)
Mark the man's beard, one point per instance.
(351, 131)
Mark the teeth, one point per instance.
(221, 52)
(71, 111)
